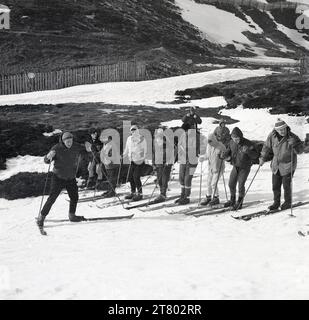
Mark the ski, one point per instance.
(266, 212)
(112, 204)
(93, 219)
(150, 203)
(200, 210)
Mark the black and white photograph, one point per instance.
(154, 150)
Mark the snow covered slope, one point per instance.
(151, 93)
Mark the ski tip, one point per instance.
(301, 233)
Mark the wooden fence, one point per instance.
(122, 71)
(257, 4)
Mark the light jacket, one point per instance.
(110, 155)
(136, 149)
(282, 151)
(214, 150)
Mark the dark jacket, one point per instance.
(279, 146)
(96, 147)
(241, 155)
(66, 160)
(191, 121)
(160, 156)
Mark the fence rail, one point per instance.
(26, 82)
(257, 4)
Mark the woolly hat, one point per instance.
(280, 124)
(236, 132)
(67, 135)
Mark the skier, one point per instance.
(284, 145)
(191, 120)
(66, 156)
(95, 165)
(190, 142)
(215, 150)
(110, 157)
(162, 161)
(136, 149)
(222, 133)
(240, 152)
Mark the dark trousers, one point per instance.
(278, 180)
(186, 172)
(163, 176)
(112, 175)
(239, 176)
(56, 187)
(136, 171)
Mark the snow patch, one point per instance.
(149, 93)
(23, 164)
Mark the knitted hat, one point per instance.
(280, 124)
(67, 135)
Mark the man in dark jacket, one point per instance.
(284, 145)
(66, 157)
(191, 120)
(95, 165)
(241, 152)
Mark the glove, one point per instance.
(201, 159)
(261, 162)
(244, 149)
(51, 155)
(195, 116)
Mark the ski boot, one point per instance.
(214, 201)
(137, 197)
(238, 204)
(159, 199)
(130, 196)
(231, 202)
(74, 218)
(182, 195)
(109, 194)
(274, 206)
(286, 205)
(184, 201)
(206, 201)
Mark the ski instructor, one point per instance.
(66, 157)
(285, 146)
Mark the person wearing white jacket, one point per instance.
(215, 169)
(135, 150)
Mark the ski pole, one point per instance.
(201, 179)
(291, 183)
(113, 189)
(216, 185)
(224, 186)
(248, 187)
(118, 177)
(45, 185)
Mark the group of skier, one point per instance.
(281, 146)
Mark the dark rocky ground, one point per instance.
(280, 93)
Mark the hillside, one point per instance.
(165, 33)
